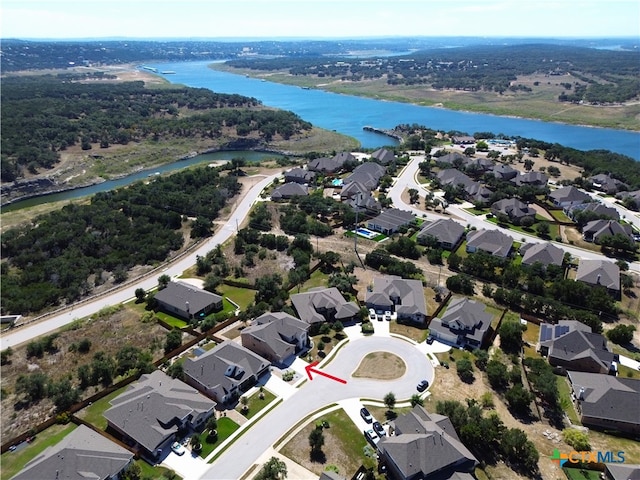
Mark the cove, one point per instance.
(348, 114)
(204, 159)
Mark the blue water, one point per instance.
(248, 155)
(347, 114)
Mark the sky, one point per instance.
(62, 19)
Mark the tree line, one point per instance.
(61, 256)
(44, 115)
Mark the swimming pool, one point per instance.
(366, 233)
(336, 182)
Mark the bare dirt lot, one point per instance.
(381, 366)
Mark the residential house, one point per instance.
(568, 196)
(478, 193)
(502, 171)
(595, 230)
(390, 221)
(362, 201)
(607, 184)
(320, 305)
(384, 156)
(600, 272)
(599, 210)
(451, 160)
(331, 475)
(514, 209)
(448, 233)
(463, 140)
(621, 471)
(607, 402)
(400, 295)
(571, 345)
(187, 301)
(299, 175)
(424, 445)
(493, 242)
(81, 454)
(225, 371)
(545, 253)
(367, 174)
(465, 324)
(532, 179)
(324, 165)
(150, 411)
(478, 165)
(276, 336)
(451, 176)
(630, 199)
(289, 190)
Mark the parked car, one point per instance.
(379, 429)
(372, 314)
(430, 340)
(366, 416)
(177, 448)
(387, 316)
(422, 386)
(371, 437)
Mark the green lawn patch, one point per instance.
(317, 279)
(226, 428)
(565, 399)
(93, 414)
(256, 404)
(477, 211)
(560, 216)
(171, 320)
(581, 474)
(13, 462)
(154, 471)
(380, 237)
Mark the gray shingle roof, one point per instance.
(513, 208)
(384, 156)
(545, 253)
(367, 174)
(406, 294)
(569, 194)
(578, 345)
(289, 190)
(599, 272)
(83, 454)
(275, 329)
(444, 230)
(607, 397)
(211, 370)
(530, 178)
(391, 220)
(597, 229)
(179, 294)
(464, 317)
(151, 409)
(424, 444)
(310, 305)
(490, 241)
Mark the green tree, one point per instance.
(5, 356)
(163, 281)
(390, 400)
(519, 450)
(621, 334)
(482, 357)
(416, 400)
(173, 340)
(497, 374)
(577, 439)
(316, 441)
(274, 469)
(510, 336)
(33, 386)
(519, 399)
(465, 370)
(140, 294)
(543, 229)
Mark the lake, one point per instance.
(347, 114)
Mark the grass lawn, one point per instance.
(13, 462)
(317, 279)
(93, 414)
(559, 215)
(564, 391)
(581, 474)
(477, 211)
(343, 447)
(171, 320)
(153, 471)
(417, 334)
(226, 428)
(256, 403)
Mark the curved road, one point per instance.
(320, 392)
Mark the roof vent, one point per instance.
(581, 394)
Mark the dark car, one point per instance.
(366, 416)
(429, 340)
(379, 429)
(422, 386)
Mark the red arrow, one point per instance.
(309, 368)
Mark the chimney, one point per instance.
(598, 279)
(581, 394)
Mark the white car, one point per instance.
(387, 316)
(372, 314)
(177, 448)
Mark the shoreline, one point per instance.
(326, 87)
